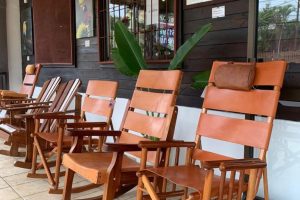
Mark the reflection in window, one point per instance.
(278, 30)
(151, 21)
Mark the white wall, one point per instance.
(14, 44)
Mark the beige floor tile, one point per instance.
(31, 188)
(19, 179)
(43, 196)
(8, 194)
(3, 184)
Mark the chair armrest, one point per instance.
(236, 164)
(27, 104)
(74, 132)
(151, 145)
(25, 108)
(24, 116)
(86, 124)
(16, 99)
(55, 115)
(120, 147)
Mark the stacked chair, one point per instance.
(99, 100)
(13, 132)
(64, 96)
(227, 92)
(151, 114)
(25, 94)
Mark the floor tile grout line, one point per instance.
(12, 189)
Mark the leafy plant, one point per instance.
(188, 46)
(200, 80)
(128, 57)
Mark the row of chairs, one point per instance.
(144, 153)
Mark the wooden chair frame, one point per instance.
(146, 97)
(250, 133)
(28, 87)
(99, 100)
(13, 131)
(29, 122)
(233, 168)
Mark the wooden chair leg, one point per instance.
(140, 187)
(109, 190)
(149, 188)
(34, 159)
(68, 184)
(57, 168)
(251, 184)
(44, 161)
(265, 181)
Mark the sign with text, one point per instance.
(218, 12)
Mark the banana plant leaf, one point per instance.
(129, 49)
(121, 64)
(187, 47)
(200, 80)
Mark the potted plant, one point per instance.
(128, 57)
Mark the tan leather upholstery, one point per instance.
(93, 166)
(235, 76)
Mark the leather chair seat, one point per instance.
(192, 177)
(93, 166)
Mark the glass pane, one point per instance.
(278, 30)
(151, 21)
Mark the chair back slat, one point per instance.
(159, 80)
(50, 89)
(152, 113)
(103, 107)
(239, 131)
(30, 81)
(151, 101)
(62, 100)
(102, 88)
(148, 125)
(100, 98)
(143, 114)
(257, 102)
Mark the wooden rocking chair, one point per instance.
(27, 89)
(151, 114)
(259, 101)
(99, 100)
(63, 97)
(14, 131)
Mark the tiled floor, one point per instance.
(14, 184)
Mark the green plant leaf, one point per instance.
(129, 49)
(120, 63)
(187, 47)
(200, 80)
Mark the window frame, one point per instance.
(148, 61)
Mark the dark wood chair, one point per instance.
(99, 100)
(63, 98)
(261, 100)
(151, 115)
(27, 88)
(13, 132)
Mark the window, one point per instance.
(151, 21)
(279, 30)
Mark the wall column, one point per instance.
(3, 45)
